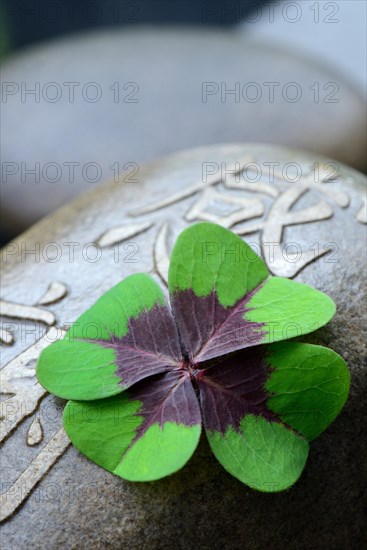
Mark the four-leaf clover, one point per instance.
(144, 378)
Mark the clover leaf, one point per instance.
(143, 378)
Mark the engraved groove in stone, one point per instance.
(6, 337)
(254, 187)
(161, 255)
(362, 213)
(210, 179)
(30, 313)
(242, 209)
(281, 216)
(18, 383)
(55, 292)
(35, 433)
(38, 468)
(121, 233)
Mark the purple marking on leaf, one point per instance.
(207, 329)
(151, 346)
(168, 397)
(234, 387)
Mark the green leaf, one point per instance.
(308, 385)
(261, 404)
(285, 309)
(78, 370)
(110, 315)
(264, 455)
(212, 274)
(206, 258)
(146, 433)
(223, 299)
(114, 344)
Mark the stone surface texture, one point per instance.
(56, 498)
(162, 109)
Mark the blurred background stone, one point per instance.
(332, 32)
(138, 94)
(72, 503)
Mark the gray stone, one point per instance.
(53, 497)
(169, 67)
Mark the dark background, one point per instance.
(28, 21)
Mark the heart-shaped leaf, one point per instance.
(264, 455)
(308, 385)
(261, 405)
(148, 432)
(223, 298)
(114, 344)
